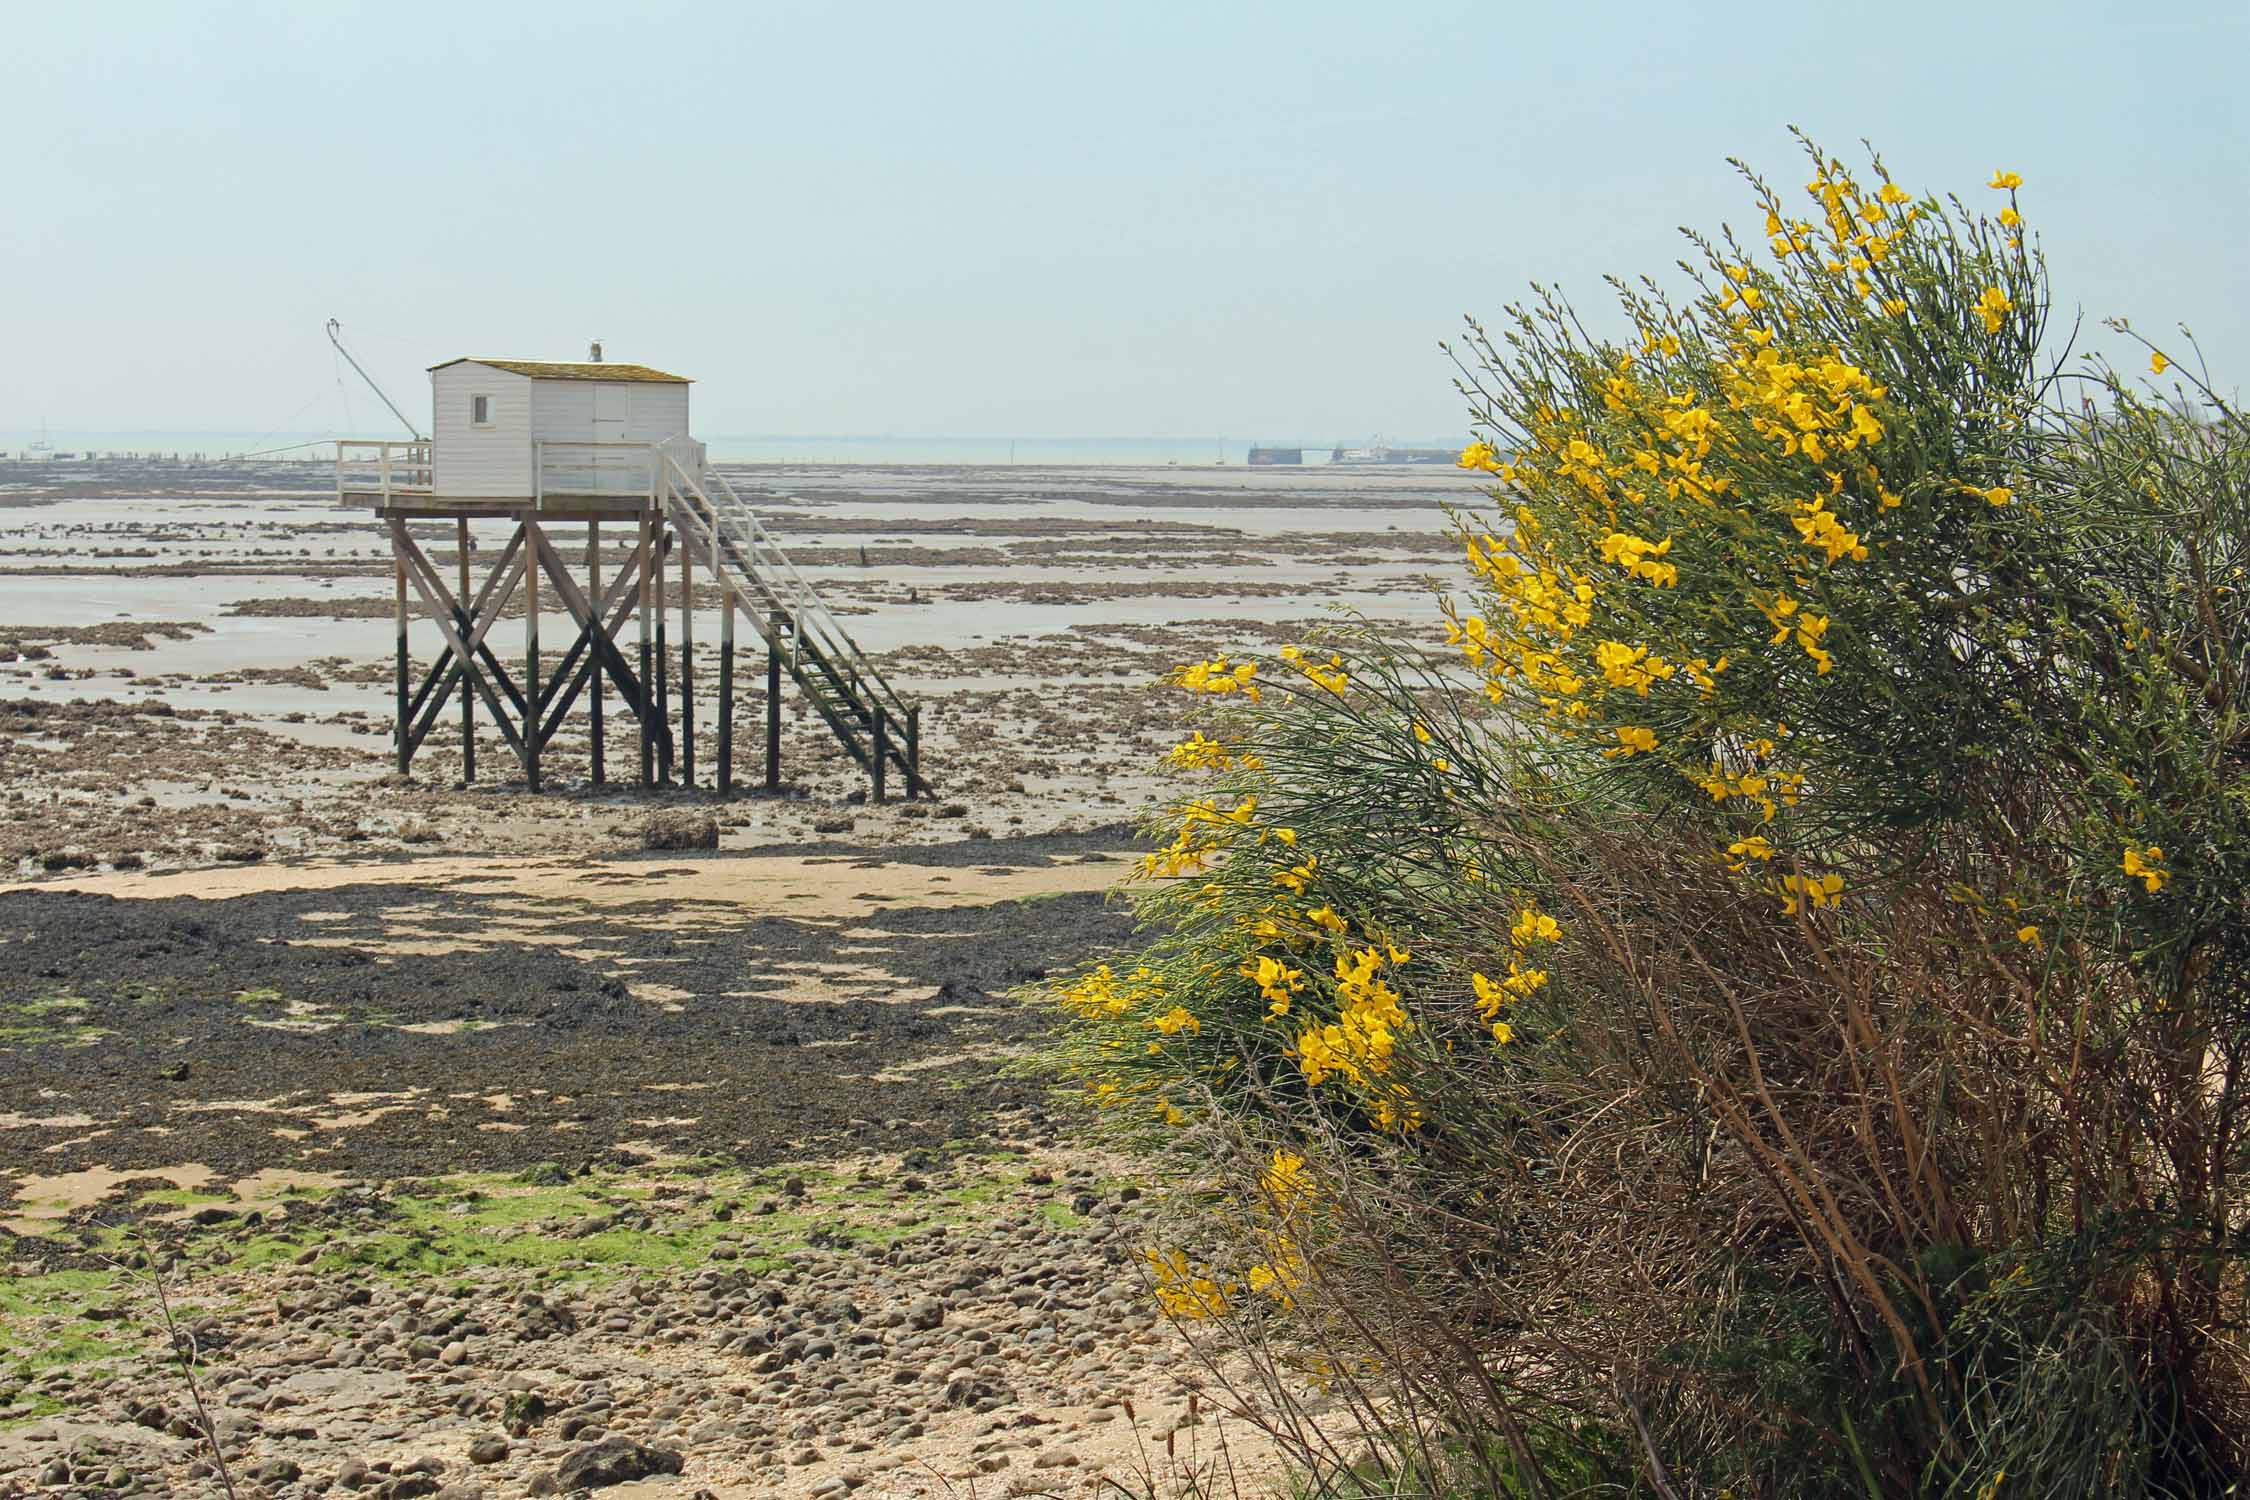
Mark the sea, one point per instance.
(1107, 452)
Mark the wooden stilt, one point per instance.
(648, 729)
(914, 751)
(663, 692)
(726, 690)
(776, 626)
(398, 563)
(468, 693)
(594, 687)
(687, 665)
(882, 752)
(533, 740)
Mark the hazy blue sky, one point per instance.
(965, 218)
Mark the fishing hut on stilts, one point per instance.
(556, 451)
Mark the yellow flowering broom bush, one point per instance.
(1760, 1008)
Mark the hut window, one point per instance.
(480, 411)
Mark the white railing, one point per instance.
(382, 470)
(610, 470)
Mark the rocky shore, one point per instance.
(654, 1175)
(922, 1327)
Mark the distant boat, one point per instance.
(1261, 456)
(1380, 453)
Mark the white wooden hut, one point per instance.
(538, 445)
(515, 429)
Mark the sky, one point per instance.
(1058, 220)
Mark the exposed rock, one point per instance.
(678, 829)
(614, 1460)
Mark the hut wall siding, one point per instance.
(605, 411)
(488, 462)
(654, 413)
(495, 460)
(562, 411)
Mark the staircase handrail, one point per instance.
(771, 569)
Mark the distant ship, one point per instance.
(1265, 455)
(1379, 453)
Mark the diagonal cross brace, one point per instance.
(438, 603)
(427, 577)
(597, 630)
(437, 687)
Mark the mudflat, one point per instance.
(471, 1150)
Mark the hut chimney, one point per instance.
(595, 353)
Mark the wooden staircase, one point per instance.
(879, 730)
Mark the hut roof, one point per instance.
(541, 369)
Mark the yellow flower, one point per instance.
(1176, 1020)
(1276, 982)
(1182, 1290)
(1503, 1033)
(1745, 850)
(1481, 456)
(2028, 936)
(1534, 926)
(2009, 218)
(1640, 557)
(1991, 306)
(2005, 181)
(2148, 866)
(1218, 676)
(1819, 528)
(1490, 997)
(1632, 739)
(1196, 753)
(1631, 666)
(2158, 364)
(1895, 306)
(1493, 997)
(1331, 677)
(1815, 891)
